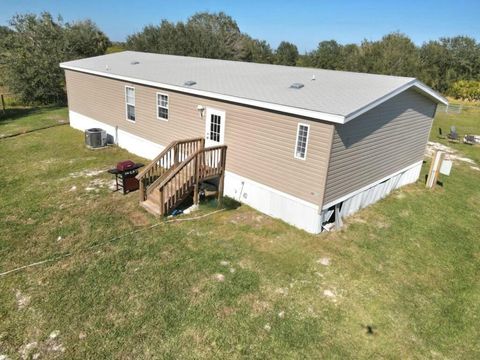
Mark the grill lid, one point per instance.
(125, 165)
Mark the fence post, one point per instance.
(3, 104)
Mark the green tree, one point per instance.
(286, 54)
(328, 55)
(5, 33)
(37, 46)
(394, 54)
(448, 60)
(434, 64)
(208, 35)
(166, 38)
(5, 45)
(85, 39)
(214, 36)
(351, 58)
(464, 56)
(254, 50)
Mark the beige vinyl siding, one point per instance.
(261, 143)
(378, 143)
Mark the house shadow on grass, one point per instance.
(211, 203)
(15, 113)
(227, 203)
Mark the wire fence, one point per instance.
(7, 100)
(456, 108)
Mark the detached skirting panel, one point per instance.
(134, 144)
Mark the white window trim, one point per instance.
(126, 104)
(306, 142)
(163, 107)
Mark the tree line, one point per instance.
(31, 49)
(32, 46)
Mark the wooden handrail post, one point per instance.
(195, 179)
(142, 190)
(221, 181)
(162, 205)
(175, 155)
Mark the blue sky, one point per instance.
(302, 22)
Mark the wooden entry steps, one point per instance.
(177, 172)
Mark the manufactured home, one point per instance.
(308, 146)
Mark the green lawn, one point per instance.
(408, 267)
(19, 120)
(467, 122)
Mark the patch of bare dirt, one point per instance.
(400, 195)
(282, 291)
(450, 154)
(219, 277)
(138, 218)
(22, 300)
(225, 312)
(87, 173)
(97, 184)
(330, 294)
(250, 218)
(26, 350)
(404, 213)
(325, 261)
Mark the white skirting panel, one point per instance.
(275, 203)
(377, 191)
(134, 144)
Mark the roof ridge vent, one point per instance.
(296, 86)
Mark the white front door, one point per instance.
(214, 127)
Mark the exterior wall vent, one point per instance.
(189, 83)
(296, 86)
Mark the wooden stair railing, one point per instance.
(167, 160)
(204, 164)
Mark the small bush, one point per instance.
(466, 90)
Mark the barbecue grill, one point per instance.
(125, 173)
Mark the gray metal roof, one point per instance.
(341, 94)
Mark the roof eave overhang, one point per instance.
(339, 119)
(334, 118)
(424, 89)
